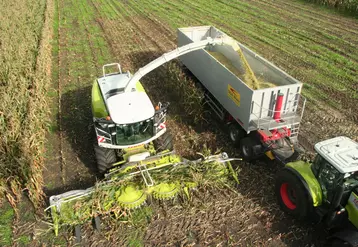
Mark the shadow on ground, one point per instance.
(78, 165)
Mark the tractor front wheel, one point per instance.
(105, 158)
(291, 194)
(164, 142)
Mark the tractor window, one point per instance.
(128, 134)
(327, 175)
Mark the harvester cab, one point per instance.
(126, 122)
(325, 189)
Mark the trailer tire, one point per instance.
(247, 149)
(105, 157)
(291, 194)
(164, 142)
(235, 133)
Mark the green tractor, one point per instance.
(325, 190)
(127, 125)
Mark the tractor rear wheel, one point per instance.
(105, 158)
(164, 142)
(291, 194)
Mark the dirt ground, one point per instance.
(92, 33)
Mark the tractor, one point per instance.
(324, 190)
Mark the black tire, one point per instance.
(105, 157)
(291, 194)
(235, 133)
(247, 149)
(336, 242)
(164, 142)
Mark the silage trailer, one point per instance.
(261, 104)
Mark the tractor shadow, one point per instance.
(256, 178)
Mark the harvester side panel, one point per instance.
(253, 109)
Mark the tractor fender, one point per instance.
(303, 171)
(346, 235)
(303, 181)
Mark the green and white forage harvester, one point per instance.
(134, 149)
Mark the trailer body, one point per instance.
(252, 109)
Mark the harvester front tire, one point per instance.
(291, 194)
(164, 142)
(105, 158)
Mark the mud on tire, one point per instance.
(105, 158)
(164, 142)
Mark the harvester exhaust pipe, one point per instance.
(278, 107)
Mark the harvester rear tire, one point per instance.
(105, 157)
(164, 142)
(291, 194)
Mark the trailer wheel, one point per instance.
(235, 133)
(105, 157)
(164, 142)
(247, 149)
(291, 194)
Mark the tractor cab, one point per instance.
(336, 168)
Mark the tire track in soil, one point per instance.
(317, 16)
(311, 28)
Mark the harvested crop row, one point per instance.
(25, 59)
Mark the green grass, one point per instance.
(7, 215)
(349, 6)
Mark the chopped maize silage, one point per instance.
(247, 77)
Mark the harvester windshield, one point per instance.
(134, 133)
